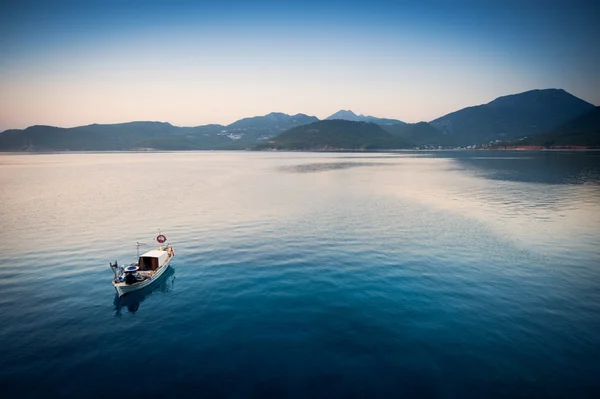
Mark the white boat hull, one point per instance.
(123, 288)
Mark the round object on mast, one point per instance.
(161, 238)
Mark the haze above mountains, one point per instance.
(546, 113)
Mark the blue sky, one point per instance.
(69, 63)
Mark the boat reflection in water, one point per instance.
(133, 300)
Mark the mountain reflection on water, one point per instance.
(132, 301)
(328, 166)
(548, 167)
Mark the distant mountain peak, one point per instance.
(276, 114)
(348, 115)
(272, 123)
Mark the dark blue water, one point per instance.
(442, 275)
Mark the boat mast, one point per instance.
(138, 245)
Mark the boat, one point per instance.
(149, 267)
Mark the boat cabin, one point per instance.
(152, 260)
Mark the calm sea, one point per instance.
(440, 275)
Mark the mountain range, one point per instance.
(538, 113)
(274, 122)
(244, 133)
(510, 117)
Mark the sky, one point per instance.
(72, 63)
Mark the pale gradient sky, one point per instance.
(67, 63)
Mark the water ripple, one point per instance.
(326, 166)
(411, 276)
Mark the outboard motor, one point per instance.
(114, 267)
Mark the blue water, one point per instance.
(442, 275)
